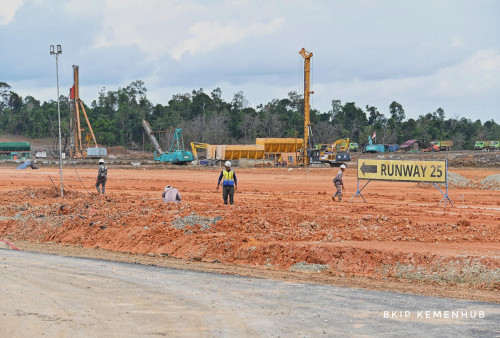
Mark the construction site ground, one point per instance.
(283, 225)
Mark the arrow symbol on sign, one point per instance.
(368, 168)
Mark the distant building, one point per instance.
(41, 153)
(410, 145)
(15, 150)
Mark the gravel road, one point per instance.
(48, 295)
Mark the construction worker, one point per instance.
(102, 176)
(229, 183)
(170, 194)
(339, 182)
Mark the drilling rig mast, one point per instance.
(307, 121)
(77, 149)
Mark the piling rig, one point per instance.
(81, 147)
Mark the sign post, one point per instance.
(403, 171)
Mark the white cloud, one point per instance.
(456, 42)
(476, 76)
(8, 9)
(153, 25)
(160, 28)
(210, 35)
(461, 88)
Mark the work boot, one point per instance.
(333, 198)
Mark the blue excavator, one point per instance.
(373, 148)
(177, 154)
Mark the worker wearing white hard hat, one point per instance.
(102, 176)
(339, 183)
(229, 183)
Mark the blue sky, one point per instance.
(423, 54)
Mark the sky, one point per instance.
(423, 54)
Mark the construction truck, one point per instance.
(439, 146)
(176, 154)
(353, 146)
(433, 146)
(480, 145)
(494, 145)
(486, 145)
(444, 145)
(87, 146)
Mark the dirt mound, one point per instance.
(457, 181)
(193, 220)
(454, 181)
(491, 182)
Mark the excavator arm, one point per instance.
(341, 145)
(195, 146)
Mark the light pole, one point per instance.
(56, 52)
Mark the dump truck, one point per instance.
(486, 145)
(479, 145)
(494, 145)
(443, 145)
(433, 146)
(353, 146)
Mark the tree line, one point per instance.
(116, 118)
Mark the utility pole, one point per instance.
(307, 90)
(56, 52)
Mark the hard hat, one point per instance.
(101, 161)
(342, 166)
(228, 164)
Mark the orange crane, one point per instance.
(307, 91)
(77, 149)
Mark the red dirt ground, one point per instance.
(281, 217)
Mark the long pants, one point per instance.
(228, 190)
(101, 181)
(339, 191)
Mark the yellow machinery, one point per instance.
(195, 146)
(341, 145)
(336, 154)
(77, 149)
(307, 121)
(281, 149)
(280, 145)
(235, 151)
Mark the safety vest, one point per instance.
(228, 177)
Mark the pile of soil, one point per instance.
(454, 181)
(491, 182)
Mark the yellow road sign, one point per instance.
(402, 170)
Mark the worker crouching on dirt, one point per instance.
(170, 194)
(229, 183)
(102, 176)
(339, 182)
